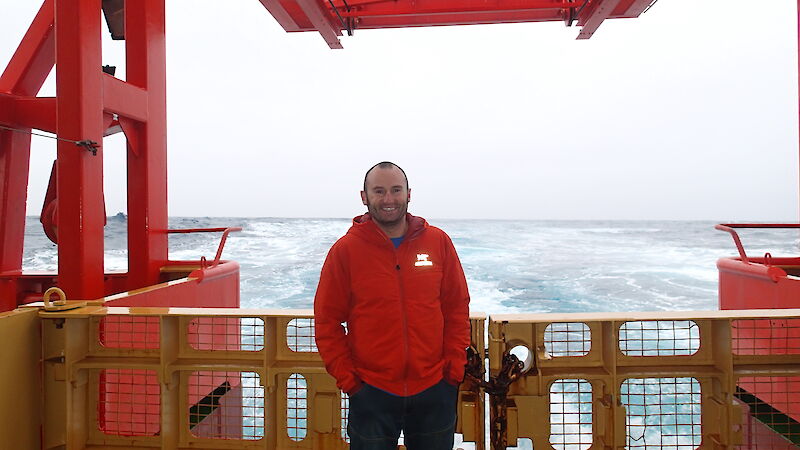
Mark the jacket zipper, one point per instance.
(404, 318)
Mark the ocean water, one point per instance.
(511, 266)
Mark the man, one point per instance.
(398, 285)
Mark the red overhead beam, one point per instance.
(463, 4)
(321, 21)
(406, 7)
(594, 15)
(330, 17)
(447, 19)
(280, 14)
(637, 7)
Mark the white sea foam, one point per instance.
(116, 260)
(511, 266)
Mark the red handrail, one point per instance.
(225, 233)
(729, 227)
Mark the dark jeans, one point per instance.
(427, 419)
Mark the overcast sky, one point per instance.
(688, 112)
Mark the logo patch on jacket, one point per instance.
(422, 260)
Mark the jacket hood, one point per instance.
(365, 228)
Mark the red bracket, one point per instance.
(225, 233)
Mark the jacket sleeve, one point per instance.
(331, 309)
(455, 310)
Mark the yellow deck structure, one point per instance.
(665, 380)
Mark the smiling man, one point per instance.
(392, 321)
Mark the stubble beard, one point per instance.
(376, 213)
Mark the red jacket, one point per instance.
(406, 309)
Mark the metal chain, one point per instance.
(497, 388)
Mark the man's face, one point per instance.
(387, 196)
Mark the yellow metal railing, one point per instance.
(667, 380)
(246, 379)
(198, 378)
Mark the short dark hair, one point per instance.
(384, 165)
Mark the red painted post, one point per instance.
(14, 160)
(80, 174)
(147, 151)
(23, 77)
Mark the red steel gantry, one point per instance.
(331, 17)
(89, 105)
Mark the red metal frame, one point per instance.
(147, 141)
(750, 282)
(331, 17)
(766, 282)
(22, 79)
(89, 105)
(79, 112)
(730, 228)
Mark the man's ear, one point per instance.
(364, 198)
(409, 196)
